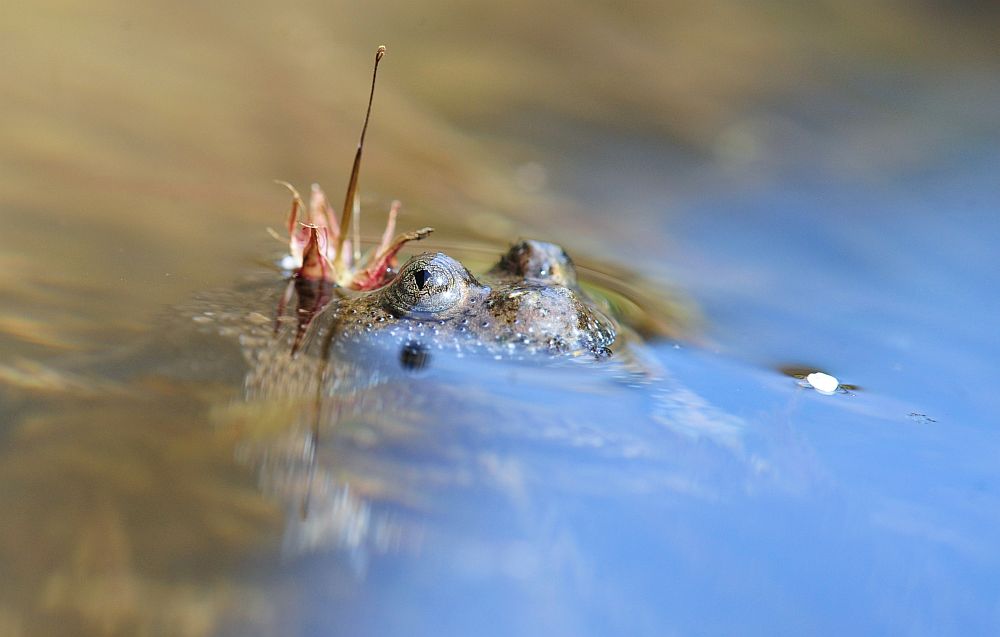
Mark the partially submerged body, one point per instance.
(527, 305)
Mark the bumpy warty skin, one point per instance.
(528, 305)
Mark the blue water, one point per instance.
(804, 513)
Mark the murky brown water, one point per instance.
(138, 149)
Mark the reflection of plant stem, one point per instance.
(286, 297)
(304, 509)
(324, 357)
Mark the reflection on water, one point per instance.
(820, 179)
(459, 467)
(120, 509)
(165, 503)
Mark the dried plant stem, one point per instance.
(352, 185)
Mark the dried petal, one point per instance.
(297, 205)
(390, 228)
(315, 267)
(379, 270)
(346, 260)
(321, 214)
(298, 235)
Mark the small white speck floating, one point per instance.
(823, 383)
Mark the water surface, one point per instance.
(818, 186)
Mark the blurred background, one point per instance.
(140, 142)
(822, 179)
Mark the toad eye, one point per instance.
(538, 262)
(427, 284)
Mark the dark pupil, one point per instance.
(421, 276)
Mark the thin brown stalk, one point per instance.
(352, 185)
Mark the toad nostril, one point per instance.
(421, 276)
(414, 356)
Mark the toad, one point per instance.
(528, 304)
